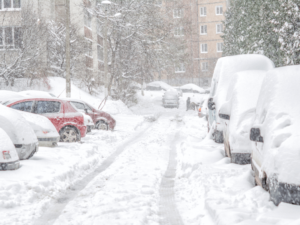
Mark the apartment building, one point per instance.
(210, 27)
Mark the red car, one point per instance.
(67, 121)
(102, 120)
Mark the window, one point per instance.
(47, 107)
(203, 48)
(203, 11)
(203, 30)
(219, 10)
(219, 47)
(23, 106)
(79, 106)
(10, 37)
(100, 53)
(179, 31)
(10, 4)
(204, 66)
(219, 28)
(178, 13)
(180, 68)
(89, 48)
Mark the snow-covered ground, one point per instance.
(157, 167)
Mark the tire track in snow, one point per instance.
(56, 208)
(168, 209)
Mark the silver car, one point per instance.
(170, 99)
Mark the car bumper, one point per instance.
(27, 151)
(82, 130)
(10, 166)
(241, 158)
(48, 142)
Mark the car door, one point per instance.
(52, 110)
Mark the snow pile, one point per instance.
(225, 70)
(277, 116)
(58, 88)
(161, 84)
(242, 98)
(192, 88)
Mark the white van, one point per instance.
(275, 135)
(225, 69)
(238, 112)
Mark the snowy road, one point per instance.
(157, 168)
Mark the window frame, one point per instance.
(16, 44)
(220, 9)
(205, 29)
(12, 6)
(178, 13)
(179, 31)
(221, 44)
(204, 68)
(181, 67)
(217, 26)
(206, 50)
(204, 14)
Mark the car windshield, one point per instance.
(47, 107)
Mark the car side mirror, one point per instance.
(211, 105)
(224, 116)
(255, 135)
(86, 110)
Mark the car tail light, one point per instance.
(199, 109)
(6, 155)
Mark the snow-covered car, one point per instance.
(37, 94)
(180, 93)
(19, 131)
(158, 86)
(225, 69)
(238, 112)
(6, 95)
(275, 135)
(66, 119)
(101, 119)
(170, 99)
(9, 159)
(45, 131)
(192, 88)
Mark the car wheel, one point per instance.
(101, 125)
(68, 134)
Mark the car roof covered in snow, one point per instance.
(37, 94)
(161, 84)
(13, 100)
(6, 95)
(278, 117)
(15, 125)
(227, 67)
(193, 87)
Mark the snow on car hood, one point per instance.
(17, 128)
(278, 117)
(41, 125)
(226, 68)
(8, 152)
(241, 102)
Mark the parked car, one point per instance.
(101, 119)
(45, 131)
(275, 135)
(170, 99)
(37, 94)
(9, 159)
(225, 69)
(158, 86)
(238, 112)
(180, 93)
(192, 88)
(19, 131)
(68, 122)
